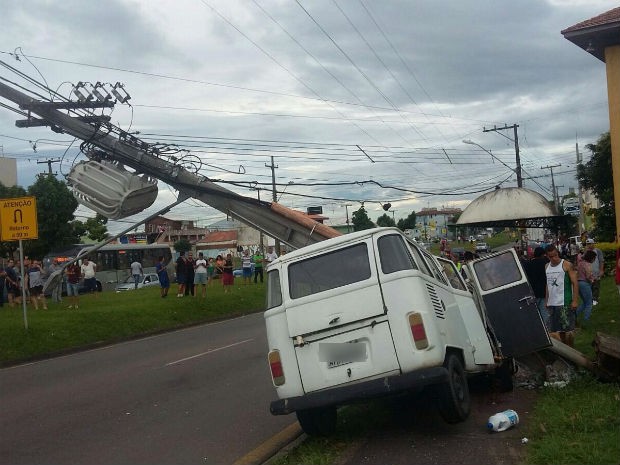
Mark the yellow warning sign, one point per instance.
(18, 218)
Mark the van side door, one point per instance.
(509, 304)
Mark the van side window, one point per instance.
(274, 292)
(420, 260)
(394, 254)
(497, 271)
(329, 271)
(454, 277)
(435, 271)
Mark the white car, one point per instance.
(482, 247)
(146, 280)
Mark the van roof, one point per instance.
(332, 243)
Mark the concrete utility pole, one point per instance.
(272, 219)
(582, 225)
(49, 164)
(555, 198)
(518, 158)
(273, 167)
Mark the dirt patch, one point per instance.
(415, 432)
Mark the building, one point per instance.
(434, 222)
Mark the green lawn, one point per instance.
(110, 317)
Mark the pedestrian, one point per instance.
(200, 274)
(537, 277)
(210, 271)
(270, 255)
(136, 272)
(219, 266)
(180, 272)
(14, 295)
(561, 296)
(162, 273)
(189, 274)
(585, 277)
(228, 279)
(34, 277)
(258, 259)
(598, 270)
(88, 270)
(246, 266)
(2, 285)
(73, 273)
(56, 290)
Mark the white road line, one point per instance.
(208, 352)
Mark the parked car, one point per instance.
(482, 247)
(146, 280)
(238, 273)
(458, 252)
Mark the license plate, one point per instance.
(341, 353)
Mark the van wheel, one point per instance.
(318, 421)
(99, 286)
(454, 400)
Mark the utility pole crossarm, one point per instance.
(291, 229)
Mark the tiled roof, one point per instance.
(220, 236)
(609, 17)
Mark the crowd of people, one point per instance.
(566, 290)
(202, 271)
(13, 289)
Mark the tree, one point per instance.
(385, 220)
(407, 223)
(596, 175)
(361, 220)
(55, 208)
(96, 228)
(182, 245)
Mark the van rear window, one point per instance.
(329, 271)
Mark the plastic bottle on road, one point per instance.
(503, 420)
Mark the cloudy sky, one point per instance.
(356, 100)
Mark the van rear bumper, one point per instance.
(364, 390)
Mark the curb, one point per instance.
(285, 440)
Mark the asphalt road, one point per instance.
(195, 396)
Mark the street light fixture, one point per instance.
(471, 142)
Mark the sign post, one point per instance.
(18, 221)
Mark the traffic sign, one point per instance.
(18, 219)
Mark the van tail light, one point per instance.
(275, 365)
(417, 330)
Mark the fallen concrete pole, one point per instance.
(571, 354)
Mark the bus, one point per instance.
(113, 260)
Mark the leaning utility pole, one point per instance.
(555, 198)
(288, 226)
(518, 169)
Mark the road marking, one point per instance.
(208, 352)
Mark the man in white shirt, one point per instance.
(88, 270)
(136, 272)
(270, 255)
(200, 273)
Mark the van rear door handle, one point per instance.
(334, 321)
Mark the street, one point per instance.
(197, 395)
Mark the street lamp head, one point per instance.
(469, 141)
(387, 206)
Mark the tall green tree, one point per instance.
(385, 220)
(96, 228)
(407, 223)
(596, 175)
(55, 208)
(361, 220)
